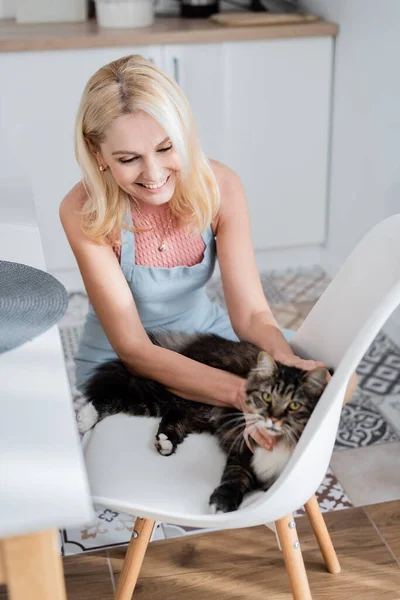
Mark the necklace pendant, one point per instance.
(162, 247)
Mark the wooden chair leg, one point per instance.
(321, 533)
(286, 529)
(134, 559)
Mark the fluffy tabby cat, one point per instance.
(279, 398)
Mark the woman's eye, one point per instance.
(266, 397)
(294, 405)
(128, 160)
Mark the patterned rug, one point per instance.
(370, 418)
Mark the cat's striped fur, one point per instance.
(279, 397)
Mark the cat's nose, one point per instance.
(274, 419)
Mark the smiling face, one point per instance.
(283, 397)
(141, 158)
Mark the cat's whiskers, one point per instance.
(232, 427)
(246, 414)
(248, 435)
(234, 424)
(244, 418)
(231, 431)
(289, 434)
(237, 419)
(238, 440)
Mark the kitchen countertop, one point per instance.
(16, 37)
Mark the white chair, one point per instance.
(127, 474)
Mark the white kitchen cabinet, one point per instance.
(199, 70)
(277, 139)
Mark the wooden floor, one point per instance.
(246, 563)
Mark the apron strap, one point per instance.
(128, 241)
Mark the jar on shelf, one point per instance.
(125, 13)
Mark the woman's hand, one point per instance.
(291, 360)
(270, 338)
(260, 436)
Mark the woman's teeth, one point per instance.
(154, 186)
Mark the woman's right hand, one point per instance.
(259, 435)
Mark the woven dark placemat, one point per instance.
(31, 301)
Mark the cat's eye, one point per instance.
(295, 405)
(266, 397)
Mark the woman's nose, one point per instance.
(152, 170)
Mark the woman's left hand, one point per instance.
(295, 361)
(291, 360)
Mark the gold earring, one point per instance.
(103, 168)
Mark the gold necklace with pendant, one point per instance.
(162, 242)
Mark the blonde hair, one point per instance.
(122, 87)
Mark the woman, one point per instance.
(145, 226)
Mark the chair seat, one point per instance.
(127, 473)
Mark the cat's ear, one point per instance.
(266, 364)
(315, 381)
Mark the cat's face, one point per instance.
(283, 397)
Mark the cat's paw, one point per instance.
(224, 499)
(214, 509)
(86, 417)
(164, 445)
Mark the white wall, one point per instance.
(365, 153)
(365, 161)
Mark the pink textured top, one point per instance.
(180, 248)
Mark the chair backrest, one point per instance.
(360, 298)
(338, 331)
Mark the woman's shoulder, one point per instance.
(225, 176)
(75, 198)
(230, 189)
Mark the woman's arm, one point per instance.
(183, 376)
(115, 307)
(247, 305)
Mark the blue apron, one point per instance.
(172, 298)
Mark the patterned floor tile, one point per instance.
(77, 308)
(299, 285)
(272, 290)
(379, 370)
(389, 406)
(109, 529)
(287, 315)
(330, 495)
(291, 315)
(362, 424)
(283, 287)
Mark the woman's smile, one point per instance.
(155, 187)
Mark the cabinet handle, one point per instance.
(151, 59)
(176, 70)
